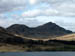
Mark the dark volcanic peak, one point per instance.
(48, 25)
(52, 29)
(18, 28)
(18, 25)
(48, 29)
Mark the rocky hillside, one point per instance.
(47, 30)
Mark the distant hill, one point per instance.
(18, 29)
(47, 30)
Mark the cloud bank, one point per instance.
(45, 7)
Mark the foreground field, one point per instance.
(52, 45)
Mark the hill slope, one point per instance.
(68, 37)
(47, 30)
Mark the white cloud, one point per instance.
(31, 13)
(57, 7)
(40, 12)
(50, 12)
(9, 5)
(32, 2)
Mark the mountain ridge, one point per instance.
(47, 30)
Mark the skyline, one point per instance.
(36, 12)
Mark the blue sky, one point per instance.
(37, 12)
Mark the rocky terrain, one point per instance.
(47, 30)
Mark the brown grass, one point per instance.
(66, 37)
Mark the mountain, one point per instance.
(47, 30)
(18, 29)
(52, 29)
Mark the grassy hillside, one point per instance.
(68, 37)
